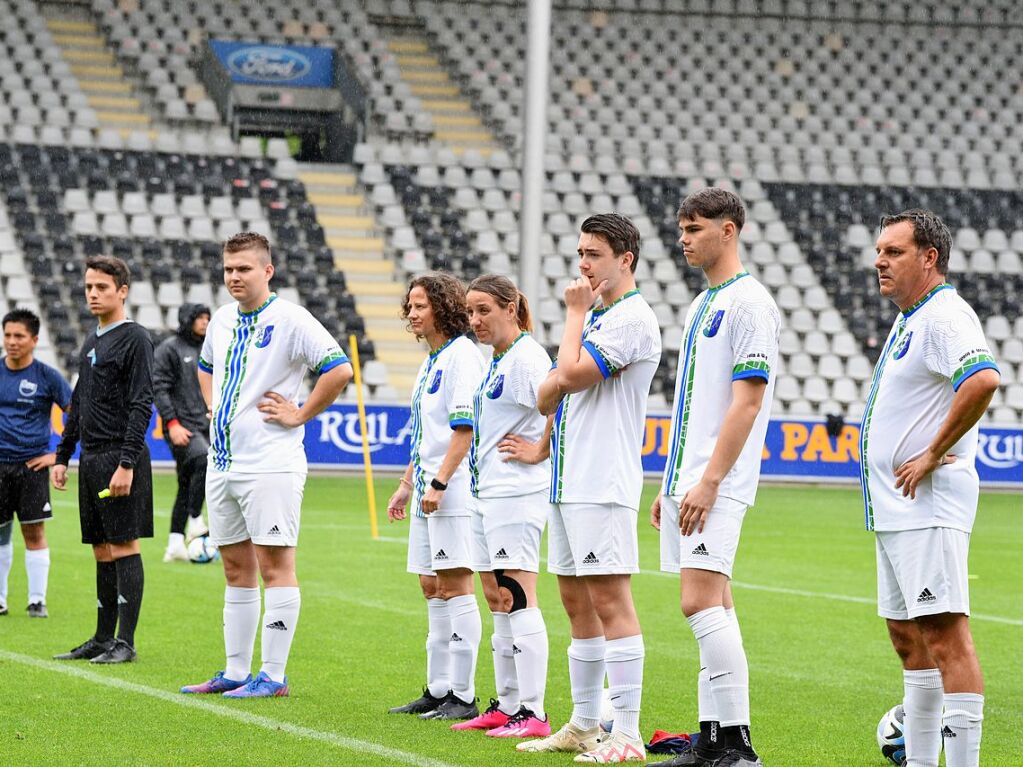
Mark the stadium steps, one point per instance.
(454, 120)
(101, 78)
(359, 248)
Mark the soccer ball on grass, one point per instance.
(201, 550)
(891, 735)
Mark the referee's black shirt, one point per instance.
(113, 400)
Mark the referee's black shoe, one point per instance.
(421, 705)
(119, 652)
(89, 649)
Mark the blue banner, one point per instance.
(286, 66)
(795, 449)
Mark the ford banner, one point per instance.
(286, 66)
(796, 449)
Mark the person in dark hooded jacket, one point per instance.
(186, 422)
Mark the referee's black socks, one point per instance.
(106, 601)
(130, 580)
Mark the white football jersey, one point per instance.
(441, 401)
(597, 439)
(731, 333)
(933, 347)
(505, 403)
(249, 354)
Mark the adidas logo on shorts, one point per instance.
(925, 596)
(274, 530)
(277, 626)
(701, 551)
(591, 559)
(947, 732)
(515, 650)
(440, 555)
(501, 554)
(456, 638)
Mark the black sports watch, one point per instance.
(436, 484)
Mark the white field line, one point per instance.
(245, 717)
(832, 597)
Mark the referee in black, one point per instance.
(110, 411)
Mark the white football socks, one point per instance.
(722, 654)
(280, 619)
(466, 632)
(530, 633)
(586, 675)
(37, 568)
(241, 619)
(961, 728)
(6, 559)
(505, 678)
(438, 654)
(624, 659)
(922, 704)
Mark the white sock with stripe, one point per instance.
(6, 560)
(722, 654)
(280, 619)
(466, 632)
(961, 728)
(530, 634)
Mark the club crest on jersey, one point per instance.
(902, 347)
(27, 388)
(262, 337)
(435, 383)
(713, 323)
(496, 388)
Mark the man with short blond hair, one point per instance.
(253, 360)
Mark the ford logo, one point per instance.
(277, 65)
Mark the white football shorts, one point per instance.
(592, 539)
(713, 549)
(507, 532)
(439, 543)
(922, 572)
(263, 508)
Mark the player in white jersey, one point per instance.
(510, 506)
(598, 392)
(437, 483)
(723, 395)
(918, 444)
(253, 360)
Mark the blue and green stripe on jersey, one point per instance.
(687, 365)
(235, 364)
(477, 414)
(607, 369)
(455, 419)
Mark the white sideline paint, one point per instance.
(265, 722)
(832, 597)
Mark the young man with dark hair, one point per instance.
(598, 392)
(723, 396)
(918, 448)
(28, 391)
(254, 358)
(110, 411)
(186, 423)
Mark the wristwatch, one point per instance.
(436, 484)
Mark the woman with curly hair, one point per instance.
(437, 483)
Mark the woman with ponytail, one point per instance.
(510, 479)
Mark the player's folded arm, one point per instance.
(591, 368)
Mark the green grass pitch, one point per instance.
(822, 671)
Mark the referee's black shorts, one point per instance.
(25, 493)
(114, 520)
